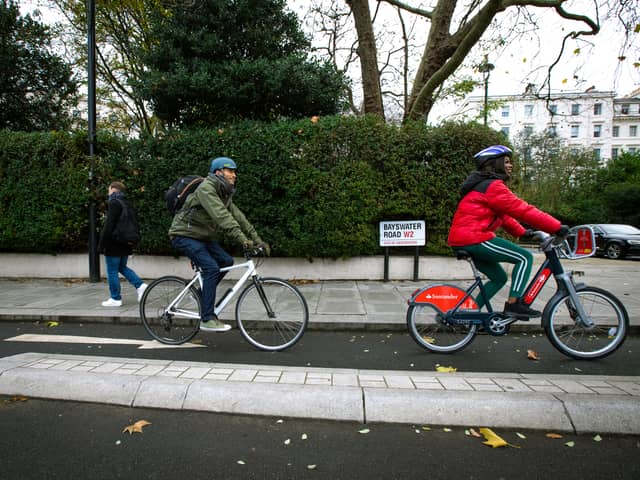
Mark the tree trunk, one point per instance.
(368, 57)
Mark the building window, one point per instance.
(614, 153)
(616, 131)
(632, 150)
(633, 130)
(575, 131)
(597, 109)
(625, 109)
(528, 110)
(505, 131)
(505, 111)
(528, 130)
(553, 109)
(597, 130)
(575, 109)
(596, 153)
(552, 130)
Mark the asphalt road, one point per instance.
(359, 350)
(65, 440)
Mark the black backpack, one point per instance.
(127, 230)
(180, 190)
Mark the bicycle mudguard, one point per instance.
(443, 296)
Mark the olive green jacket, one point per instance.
(209, 214)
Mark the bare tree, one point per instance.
(368, 53)
(458, 32)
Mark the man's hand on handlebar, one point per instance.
(264, 246)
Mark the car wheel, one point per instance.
(613, 251)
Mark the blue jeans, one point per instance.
(117, 265)
(210, 257)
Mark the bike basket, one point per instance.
(581, 243)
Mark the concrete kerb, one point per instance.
(351, 395)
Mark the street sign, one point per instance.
(403, 234)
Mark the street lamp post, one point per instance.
(485, 68)
(94, 258)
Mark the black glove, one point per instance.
(531, 235)
(563, 231)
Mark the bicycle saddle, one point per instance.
(463, 255)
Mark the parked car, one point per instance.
(615, 240)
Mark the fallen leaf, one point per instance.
(240, 462)
(532, 355)
(446, 369)
(287, 441)
(597, 438)
(426, 429)
(364, 431)
(304, 436)
(553, 435)
(494, 440)
(520, 435)
(570, 444)
(445, 429)
(429, 340)
(136, 427)
(474, 433)
(52, 324)
(311, 467)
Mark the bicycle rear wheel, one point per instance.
(171, 325)
(429, 329)
(567, 333)
(272, 314)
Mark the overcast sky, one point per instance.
(527, 61)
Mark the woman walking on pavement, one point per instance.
(117, 253)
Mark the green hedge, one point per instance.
(312, 189)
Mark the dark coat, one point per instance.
(108, 245)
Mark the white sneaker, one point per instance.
(112, 303)
(141, 290)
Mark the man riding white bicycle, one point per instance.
(207, 215)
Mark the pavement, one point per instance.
(568, 403)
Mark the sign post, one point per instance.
(402, 234)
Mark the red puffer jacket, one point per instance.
(488, 205)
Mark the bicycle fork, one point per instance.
(566, 280)
(263, 297)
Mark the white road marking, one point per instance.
(143, 344)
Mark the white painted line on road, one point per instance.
(143, 344)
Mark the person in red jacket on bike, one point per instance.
(486, 205)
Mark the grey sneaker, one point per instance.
(214, 325)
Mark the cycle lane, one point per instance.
(352, 304)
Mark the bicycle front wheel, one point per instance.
(170, 312)
(567, 332)
(272, 314)
(430, 330)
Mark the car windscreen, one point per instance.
(621, 230)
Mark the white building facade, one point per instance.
(595, 120)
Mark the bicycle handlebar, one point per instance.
(254, 252)
(548, 241)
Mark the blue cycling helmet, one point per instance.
(484, 157)
(222, 162)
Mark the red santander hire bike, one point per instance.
(580, 321)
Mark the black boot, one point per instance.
(520, 310)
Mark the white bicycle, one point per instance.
(271, 313)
